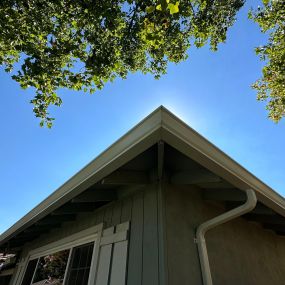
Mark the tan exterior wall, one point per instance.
(240, 252)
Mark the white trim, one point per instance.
(67, 265)
(35, 270)
(95, 257)
(21, 270)
(74, 240)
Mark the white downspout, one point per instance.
(248, 206)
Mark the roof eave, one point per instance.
(135, 141)
(192, 144)
(159, 125)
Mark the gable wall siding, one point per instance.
(141, 209)
(240, 252)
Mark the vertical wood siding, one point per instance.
(150, 240)
(141, 209)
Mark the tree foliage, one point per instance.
(52, 267)
(271, 86)
(83, 44)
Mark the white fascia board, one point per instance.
(135, 141)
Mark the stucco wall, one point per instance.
(240, 252)
(141, 209)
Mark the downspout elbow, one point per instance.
(248, 206)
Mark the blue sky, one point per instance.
(210, 92)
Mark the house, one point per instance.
(162, 205)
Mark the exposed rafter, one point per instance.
(27, 236)
(74, 208)
(95, 195)
(260, 209)
(126, 177)
(53, 220)
(261, 214)
(267, 219)
(230, 194)
(40, 228)
(20, 241)
(196, 176)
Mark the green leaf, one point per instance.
(173, 8)
(85, 44)
(150, 9)
(158, 7)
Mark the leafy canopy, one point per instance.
(83, 44)
(271, 86)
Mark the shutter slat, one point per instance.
(119, 263)
(112, 260)
(104, 265)
(117, 237)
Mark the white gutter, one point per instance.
(248, 206)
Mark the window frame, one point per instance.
(91, 234)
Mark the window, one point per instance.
(65, 262)
(79, 267)
(93, 256)
(30, 272)
(51, 268)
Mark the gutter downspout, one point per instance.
(248, 206)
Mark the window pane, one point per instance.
(80, 265)
(51, 268)
(29, 272)
(4, 280)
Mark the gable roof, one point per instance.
(160, 125)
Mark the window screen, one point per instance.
(79, 266)
(29, 272)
